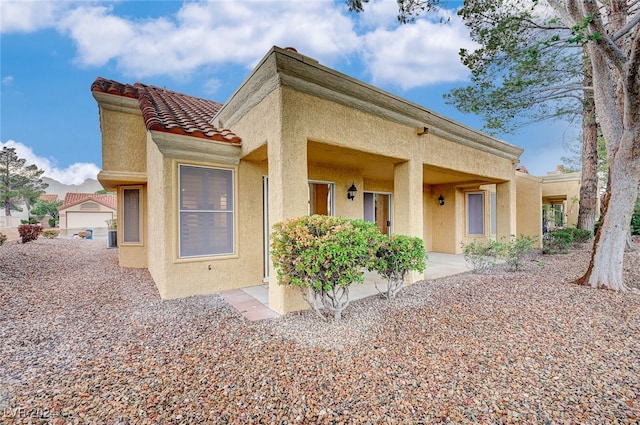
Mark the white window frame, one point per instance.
(123, 233)
(468, 212)
(231, 211)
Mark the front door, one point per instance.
(377, 209)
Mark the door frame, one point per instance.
(389, 208)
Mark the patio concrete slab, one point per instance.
(253, 301)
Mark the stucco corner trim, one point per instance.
(561, 177)
(110, 180)
(117, 103)
(196, 149)
(526, 176)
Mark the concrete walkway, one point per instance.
(253, 301)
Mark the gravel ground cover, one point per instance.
(87, 342)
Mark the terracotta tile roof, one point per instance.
(48, 197)
(113, 87)
(171, 112)
(73, 198)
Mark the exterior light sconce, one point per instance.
(351, 192)
(441, 200)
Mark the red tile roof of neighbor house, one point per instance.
(48, 197)
(73, 198)
(170, 112)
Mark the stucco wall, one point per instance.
(123, 141)
(529, 206)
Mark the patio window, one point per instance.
(206, 211)
(475, 213)
(131, 212)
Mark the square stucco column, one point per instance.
(288, 198)
(408, 204)
(505, 210)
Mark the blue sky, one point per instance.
(51, 52)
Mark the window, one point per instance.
(475, 213)
(131, 215)
(206, 211)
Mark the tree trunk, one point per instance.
(589, 181)
(605, 269)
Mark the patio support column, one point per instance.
(288, 198)
(505, 210)
(408, 205)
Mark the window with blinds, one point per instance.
(131, 215)
(475, 214)
(206, 211)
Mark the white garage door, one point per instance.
(79, 220)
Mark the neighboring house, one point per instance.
(560, 199)
(81, 211)
(200, 184)
(48, 197)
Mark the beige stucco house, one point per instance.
(560, 199)
(81, 211)
(200, 183)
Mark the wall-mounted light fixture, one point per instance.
(351, 192)
(441, 200)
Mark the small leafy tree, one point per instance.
(395, 257)
(43, 208)
(323, 256)
(18, 182)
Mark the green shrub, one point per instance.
(323, 255)
(29, 232)
(558, 242)
(53, 222)
(395, 257)
(579, 235)
(481, 256)
(51, 233)
(515, 251)
(635, 218)
(3, 238)
(31, 220)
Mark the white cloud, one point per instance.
(418, 54)
(98, 35)
(7, 81)
(74, 174)
(220, 33)
(27, 16)
(206, 33)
